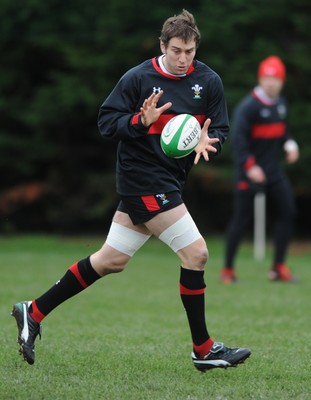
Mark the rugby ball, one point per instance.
(180, 136)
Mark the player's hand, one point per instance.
(205, 144)
(292, 151)
(292, 156)
(256, 174)
(149, 111)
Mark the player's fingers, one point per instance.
(165, 107)
(158, 95)
(197, 158)
(149, 100)
(206, 124)
(213, 140)
(154, 98)
(211, 148)
(205, 155)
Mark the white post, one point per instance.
(259, 226)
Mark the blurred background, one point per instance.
(60, 59)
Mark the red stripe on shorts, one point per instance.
(150, 203)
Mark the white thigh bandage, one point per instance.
(181, 233)
(125, 239)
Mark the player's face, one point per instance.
(178, 55)
(271, 85)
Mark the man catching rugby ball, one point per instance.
(150, 185)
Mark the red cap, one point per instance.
(272, 66)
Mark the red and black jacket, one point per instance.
(258, 133)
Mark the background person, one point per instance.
(150, 185)
(259, 134)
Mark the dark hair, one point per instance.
(182, 26)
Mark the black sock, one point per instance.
(192, 293)
(77, 278)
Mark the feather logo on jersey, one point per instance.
(197, 91)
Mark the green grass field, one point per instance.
(126, 338)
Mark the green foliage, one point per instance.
(126, 337)
(61, 59)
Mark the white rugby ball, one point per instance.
(180, 135)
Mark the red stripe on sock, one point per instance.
(36, 314)
(203, 348)
(75, 270)
(184, 290)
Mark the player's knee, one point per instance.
(194, 256)
(103, 269)
(199, 256)
(203, 256)
(113, 268)
(106, 262)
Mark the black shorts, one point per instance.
(142, 208)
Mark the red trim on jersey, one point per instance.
(193, 292)
(135, 119)
(36, 314)
(249, 163)
(265, 101)
(150, 203)
(268, 131)
(201, 118)
(243, 185)
(190, 69)
(75, 270)
(158, 68)
(157, 127)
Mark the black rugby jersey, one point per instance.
(142, 167)
(258, 133)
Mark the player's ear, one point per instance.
(162, 47)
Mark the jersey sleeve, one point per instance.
(218, 113)
(119, 115)
(287, 135)
(240, 136)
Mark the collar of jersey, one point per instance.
(157, 67)
(260, 94)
